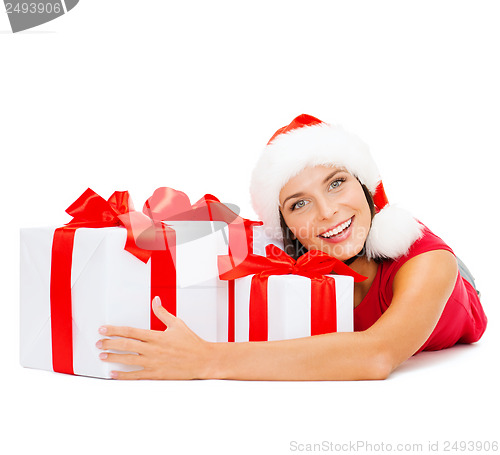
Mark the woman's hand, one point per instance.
(176, 353)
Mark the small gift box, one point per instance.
(105, 266)
(277, 298)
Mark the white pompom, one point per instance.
(393, 232)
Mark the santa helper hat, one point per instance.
(308, 142)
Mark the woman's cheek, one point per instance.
(308, 233)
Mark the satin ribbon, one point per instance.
(148, 237)
(313, 265)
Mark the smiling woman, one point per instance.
(316, 187)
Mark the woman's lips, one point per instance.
(340, 237)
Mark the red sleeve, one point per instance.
(463, 319)
(427, 242)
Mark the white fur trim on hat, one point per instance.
(392, 233)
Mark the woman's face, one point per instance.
(326, 209)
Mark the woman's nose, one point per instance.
(325, 209)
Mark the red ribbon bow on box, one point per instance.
(314, 265)
(148, 238)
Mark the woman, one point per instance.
(316, 187)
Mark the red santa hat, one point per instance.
(308, 142)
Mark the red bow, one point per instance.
(313, 264)
(91, 210)
(167, 204)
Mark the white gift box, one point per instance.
(289, 306)
(111, 286)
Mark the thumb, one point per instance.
(161, 313)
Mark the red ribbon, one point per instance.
(314, 265)
(147, 238)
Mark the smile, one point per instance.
(337, 230)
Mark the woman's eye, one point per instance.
(336, 183)
(299, 204)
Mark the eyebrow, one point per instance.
(324, 182)
(332, 174)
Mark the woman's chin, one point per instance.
(343, 254)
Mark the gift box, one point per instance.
(289, 310)
(105, 266)
(278, 298)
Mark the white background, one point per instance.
(130, 95)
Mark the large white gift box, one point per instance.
(111, 286)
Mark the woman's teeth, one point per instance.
(337, 230)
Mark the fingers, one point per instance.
(126, 359)
(127, 332)
(122, 344)
(140, 334)
(131, 339)
(161, 313)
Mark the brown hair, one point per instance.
(295, 249)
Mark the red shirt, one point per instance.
(463, 319)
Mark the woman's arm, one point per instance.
(421, 288)
(420, 291)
